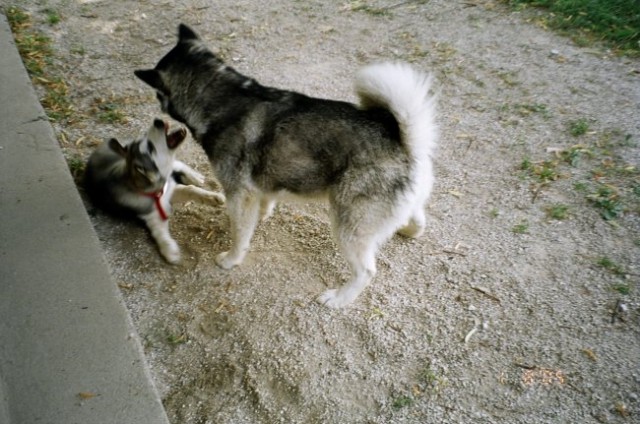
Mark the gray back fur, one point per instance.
(279, 140)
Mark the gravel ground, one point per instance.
(520, 304)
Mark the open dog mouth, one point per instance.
(173, 138)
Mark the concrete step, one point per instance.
(68, 350)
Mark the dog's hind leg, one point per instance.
(266, 208)
(358, 230)
(415, 227)
(243, 209)
(417, 220)
(360, 254)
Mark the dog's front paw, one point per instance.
(227, 261)
(334, 299)
(171, 253)
(216, 199)
(189, 175)
(198, 178)
(195, 178)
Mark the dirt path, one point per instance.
(503, 312)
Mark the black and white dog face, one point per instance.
(183, 63)
(149, 160)
(154, 79)
(143, 178)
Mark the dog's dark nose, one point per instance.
(158, 123)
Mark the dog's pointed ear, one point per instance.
(175, 138)
(117, 147)
(151, 77)
(185, 33)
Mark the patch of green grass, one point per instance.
(52, 16)
(526, 164)
(608, 181)
(607, 200)
(76, 166)
(579, 127)
(610, 265)
(55, 100)
(176, 339)
(79, 50)
(615, 169)
(402, 401)
(376, 313)
(36, 52)
(494, 213)
(110, 114)
(580, 186)
(17, 18)
(34, 47)
(544, 171)
(612, 139)
(616, 22)
(573, 155)
(427, 376)
(622, 288)
(547, 171)
(362, 6)
(509, 78)
(37, 55)
(418, 52)
(628, 141)
(558, 211)
(521, 228)
(108, 111)
(525, 109)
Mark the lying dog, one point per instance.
(143, 178)
(372, 162)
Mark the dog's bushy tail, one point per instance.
(403, 91)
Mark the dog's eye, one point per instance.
(164, 102)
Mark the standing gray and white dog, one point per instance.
(372, 162)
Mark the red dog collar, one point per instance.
(156, 196)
